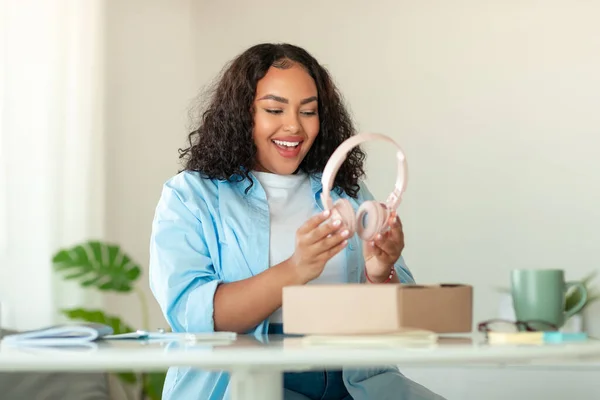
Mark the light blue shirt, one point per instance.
(206, 232)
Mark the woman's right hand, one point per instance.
(316, 243)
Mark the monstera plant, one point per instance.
(107, 268)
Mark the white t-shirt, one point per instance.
(291, 204)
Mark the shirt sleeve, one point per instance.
(182, 276)
(402, 270)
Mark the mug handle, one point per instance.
(577, 307)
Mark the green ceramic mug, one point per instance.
(540, 294)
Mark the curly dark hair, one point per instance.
(222, 145)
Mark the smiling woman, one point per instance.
(286, 119)
(243, 220)
(272, 91)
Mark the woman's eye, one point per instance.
(278, 111)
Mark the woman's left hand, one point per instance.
(386, 249)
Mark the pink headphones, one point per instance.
(377, 213)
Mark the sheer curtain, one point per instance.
(51, 150)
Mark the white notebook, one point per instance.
(81, 333)
(60, 335)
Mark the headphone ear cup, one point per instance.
(370, 219)
(343, 210)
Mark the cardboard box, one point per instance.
(377, 309)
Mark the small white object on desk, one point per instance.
(163, 336)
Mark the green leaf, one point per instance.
(127, 377)
(100, 317)
(153, 383)
(102, 265)
(573, 298)
(589, 277)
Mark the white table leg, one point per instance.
(253, 385)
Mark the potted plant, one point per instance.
(106, 267)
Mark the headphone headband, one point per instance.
(339, 156)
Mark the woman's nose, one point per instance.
(291, 125)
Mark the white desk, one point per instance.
(257, 364)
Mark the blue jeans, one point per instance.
(313, 385)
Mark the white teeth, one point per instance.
(286, 144)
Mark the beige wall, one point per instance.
(151, 79)
(495, 104)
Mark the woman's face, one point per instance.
(286, 120)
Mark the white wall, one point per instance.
(151, 81)
(495, 104)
